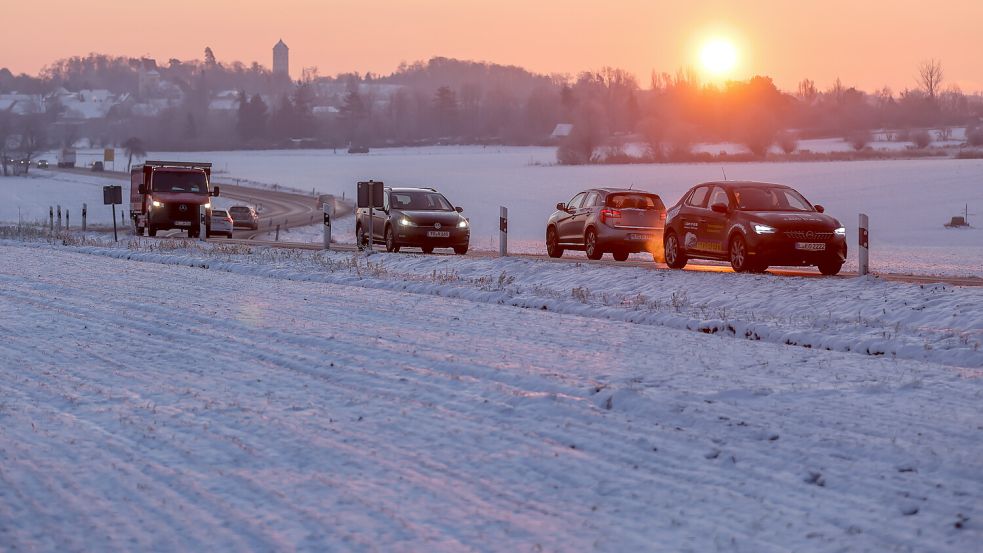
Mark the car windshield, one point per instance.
(634, 200)
(768, 198)
(175, 181)
(420, 201)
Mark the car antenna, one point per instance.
(724, 172)
(630, 186)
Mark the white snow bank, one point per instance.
(862, 315)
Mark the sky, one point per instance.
(866, 43)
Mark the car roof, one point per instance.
(740, 183)
(410, 189)
(613, 189)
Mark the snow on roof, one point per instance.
(561, 130)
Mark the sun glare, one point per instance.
(718, 56)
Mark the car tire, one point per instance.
(620, 255)
(427, 249)
(830, 268)
(675, 257)
(553, 248)
(739, 259)
(151, 231)
(461, 250)
(228, 235)
(359, 238)
(591, 247)
(391, 245)
(139, 231)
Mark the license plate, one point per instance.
(182, 223)
(811, 246)
(640, 237)
(438, 234)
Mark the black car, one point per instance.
(414, 217)
(599, 220)
(753, 225)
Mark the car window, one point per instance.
(219, 213)
(767, 198)
(699, 197)
(575, 202)
(591, 200)
(419, 200)
(719, 196)
(634, 200)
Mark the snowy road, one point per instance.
(147, 406)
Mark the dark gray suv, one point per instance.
(617, 220)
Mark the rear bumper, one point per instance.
(632, 240)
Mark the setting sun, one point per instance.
(718, 56)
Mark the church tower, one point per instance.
(281, 59)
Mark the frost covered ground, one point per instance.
(215, 397)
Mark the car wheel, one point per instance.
(151, 231)
(553, 248)
(620, 255)
(359, 238)
(830, 268)
(427, 249)
(739, 259)
(675, 258)
(391, 245)
(461, 250)
(591, 246)
(139, 231)
(228, 235)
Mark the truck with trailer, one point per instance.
(168, 195)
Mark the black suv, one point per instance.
(414, 217)
(752, 225)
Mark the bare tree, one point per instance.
(5, 132)
(930, 75)
(33, 138)
(133, 147)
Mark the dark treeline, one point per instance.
(189, 105)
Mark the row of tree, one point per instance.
(453, 101)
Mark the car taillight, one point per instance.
(607, 214)
(662, 217)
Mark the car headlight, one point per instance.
(463, 224)
(406, 222)
(208, 205)
(840, 231)
(158, 204)
(763, 229)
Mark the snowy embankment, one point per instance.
(160, 407)
(862, 315)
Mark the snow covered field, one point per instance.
(907, 200)
(221, 398)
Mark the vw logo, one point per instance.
(436, 225)
(810, 234)
(182, 207)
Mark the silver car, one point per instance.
(221, 223)
(616, 220)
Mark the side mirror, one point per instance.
(459, 209)
(215, 190)
(142, 189)
(820, 208)
(719, 208)
(561, 206)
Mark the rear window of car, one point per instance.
(219, 213)
(634, 200)
(239, 210)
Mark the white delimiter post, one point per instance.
(327, 225)
(864, 257)
(202, 228)
(503, 231)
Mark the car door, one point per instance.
(690, 214)
(578, 222)
(380, 216)
(712, 233)
(566, 223)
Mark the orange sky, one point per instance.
(867, 43)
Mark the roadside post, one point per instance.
(277, 233)
(327, 225)
(85, 210)
(51, 219)
(864, 235)
(68, 224)
(202, 219)
(370, 195)
(112, 195)
(59, 218)
(503, 231)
